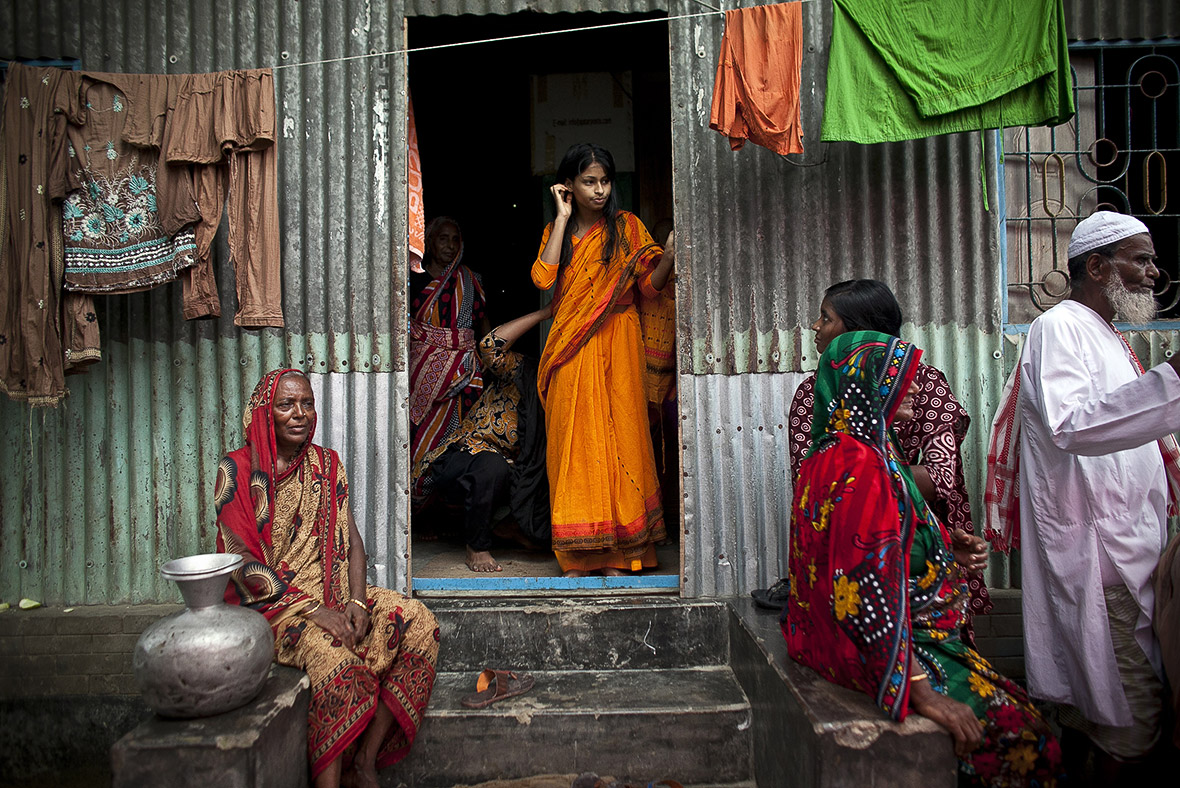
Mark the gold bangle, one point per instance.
(918, 677)
(356, 601)
(307, 613)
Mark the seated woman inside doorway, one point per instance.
(496, 459)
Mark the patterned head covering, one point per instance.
(258, 426)
(245, 500)
(862, 378)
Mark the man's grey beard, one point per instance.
(1134, 308)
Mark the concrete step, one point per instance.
(581, 634)
(691, 724)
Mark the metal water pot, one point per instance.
(210, 657)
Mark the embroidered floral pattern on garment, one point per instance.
(24, 102)
(114, 240)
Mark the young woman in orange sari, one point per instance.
(606, 510)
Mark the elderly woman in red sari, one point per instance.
(370, 653)
(447, 307)
(877, 590)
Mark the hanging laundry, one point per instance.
(416, 212)
(33, 354)
(756, 88)
(128, 218)
(223, 124)
(901, 71)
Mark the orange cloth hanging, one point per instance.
(756, 90)
(415, 212)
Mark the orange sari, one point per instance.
(604, 494)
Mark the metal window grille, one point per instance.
(1115, 154)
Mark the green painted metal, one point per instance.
(97, 493)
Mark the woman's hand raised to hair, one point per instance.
(563, 199)
(335, 624)
(956, 717)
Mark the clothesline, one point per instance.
(411, 50)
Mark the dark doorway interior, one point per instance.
(473, 111)
(473, 114)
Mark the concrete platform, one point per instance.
(261, 745)
(810, 733)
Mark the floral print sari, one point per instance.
(874, 586)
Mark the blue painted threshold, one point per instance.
(642, 582)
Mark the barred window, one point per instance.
(1115, 154)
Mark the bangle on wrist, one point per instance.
(362, 605)
(918, 677)
(314, 608)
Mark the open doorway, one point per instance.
(493, 120)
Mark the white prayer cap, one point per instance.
(1102, 228)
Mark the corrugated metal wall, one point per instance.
(100, 491)
(1113, 20)
(104, 488)
(762, 238)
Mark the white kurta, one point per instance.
(1091, 478)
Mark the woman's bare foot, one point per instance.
(359, 777)
(610, 571)
(482, 561)
(573, 573)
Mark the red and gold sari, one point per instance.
(292, 529)
(445, 377)
(606, 509)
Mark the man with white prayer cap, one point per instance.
(1093, 480)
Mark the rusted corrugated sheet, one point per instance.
(759, 239)
(100, 491)
(768, 234)
(1114, 20)
(482, 7)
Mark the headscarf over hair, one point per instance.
(859, 375)
(853, 521)
(862, 378)
(244, 497)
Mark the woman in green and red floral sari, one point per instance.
(878, 588)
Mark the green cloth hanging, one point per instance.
(905, 70)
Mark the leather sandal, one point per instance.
(494, 685)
